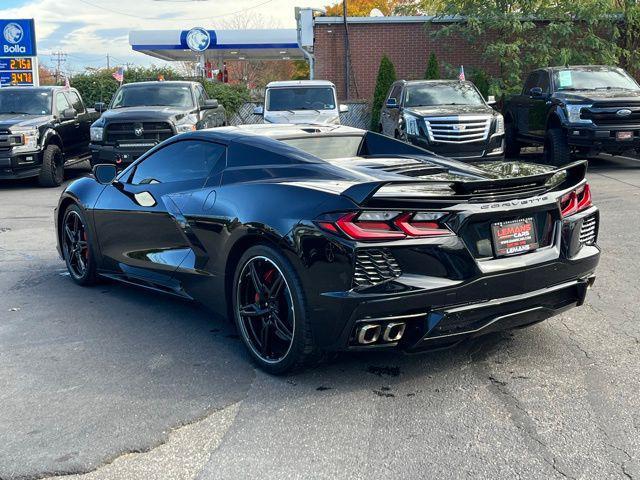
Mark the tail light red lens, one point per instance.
(367, 229)
(576, 201)
(385, 225)
(412, 224)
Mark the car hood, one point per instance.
(151, 113)
(22, 120)
(592, 96)
(449, 110)
(301, 116)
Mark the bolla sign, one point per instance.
(17, 38)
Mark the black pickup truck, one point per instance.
(42, 130)
(584, 110)
(143, 114)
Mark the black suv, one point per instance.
(42, 131)
(143, 114)
(448, 117)
(581, 109)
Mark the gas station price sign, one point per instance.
(16, 71)
(18, 60)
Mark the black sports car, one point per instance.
(325, 238)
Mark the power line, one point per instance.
(59, 58)
(119, 12)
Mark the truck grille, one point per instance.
(458, 129)
(589, 230)
(607, 114)
(154, 131)
(373, 266)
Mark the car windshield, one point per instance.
(300, 98)
(31, 102)
(613, 79)
(430, 94)
(327, 147)
(153, 95)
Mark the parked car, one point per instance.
(301, 102)
(143, 114)
(581, 109)
(324, 238)
(42, 131)
(448, 117)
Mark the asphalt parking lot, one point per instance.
(123, 383)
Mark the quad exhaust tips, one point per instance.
(369, 333)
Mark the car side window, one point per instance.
(201, 95)
(543, 81)
(395, 93)
(180, 161)
(61, 102)
(532, 81)
(76, 103)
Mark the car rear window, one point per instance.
(327, 147)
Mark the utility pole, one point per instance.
(59, 58)
(347, 63)
(108, 65)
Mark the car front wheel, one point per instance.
(76, 247)
(556, 149)
(270, 311)
(52, 170)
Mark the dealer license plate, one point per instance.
(624, 136)
(514, 237)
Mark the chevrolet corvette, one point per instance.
(317, 239)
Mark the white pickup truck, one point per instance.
(301, 101)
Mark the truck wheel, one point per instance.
(512, 145)
(52, 170)
(556, 148)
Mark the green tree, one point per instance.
(433, 68)
(386, 76)
(521, 35)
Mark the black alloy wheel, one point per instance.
(265, 309)
(76, 247)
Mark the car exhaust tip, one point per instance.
(369, 333)
(394, 331)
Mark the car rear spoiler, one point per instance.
(574, 173)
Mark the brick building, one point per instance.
(407, 41)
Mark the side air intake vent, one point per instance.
(373, 266)
(589, 230)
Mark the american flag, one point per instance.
(461, 75)
(118, 74)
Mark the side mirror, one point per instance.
(491, 100)
(342, 108)
(535, 92)
(105, 173)
(68, 114)
(259, 110)
(391, 103)
(211, 103)
(100, 107)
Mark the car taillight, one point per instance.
(386, 225)
(365, 229)
(576, 201)
(421, 224)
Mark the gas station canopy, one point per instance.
(177, 45)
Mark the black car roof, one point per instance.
(184, 83)
(580, 67)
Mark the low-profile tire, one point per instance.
(76, 243)
(512, 146)
(52, 170)
(556, 148)
(270, 312)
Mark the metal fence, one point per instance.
(359, 115)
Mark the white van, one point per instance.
(301, 101)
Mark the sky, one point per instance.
(88, 30)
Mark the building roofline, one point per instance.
(393, 19)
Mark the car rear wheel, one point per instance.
(270, 311)
(52, 170)
(76, 247)
(556, 149)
